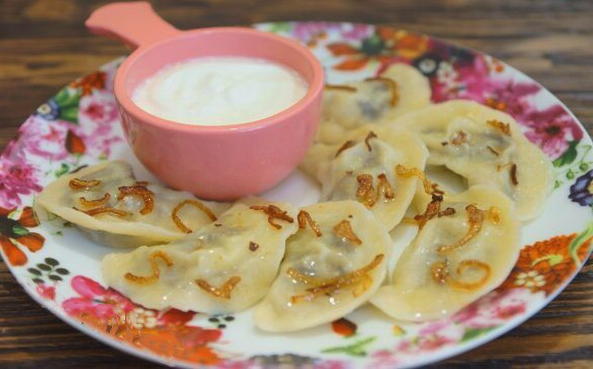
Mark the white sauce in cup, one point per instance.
(215, 91)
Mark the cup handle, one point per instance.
(134, 23)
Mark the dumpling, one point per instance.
(224, 267)
(107, 202)
(333, 264)
(485, 146)
(463, 251)
(398, 90)
(363, 168)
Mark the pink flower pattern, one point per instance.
(95, 300)
(17, 179)
(308, 31)
(552, 128)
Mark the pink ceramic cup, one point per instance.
(213, 162)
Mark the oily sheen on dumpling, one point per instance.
(333, 264)
(455, 258)
(224, 267)
(485, 146)
(363, 168)
(398, 90)
(113, 208)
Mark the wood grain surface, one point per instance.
(43, 46)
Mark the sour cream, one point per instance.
(214, 91)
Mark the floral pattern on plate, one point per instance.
(80, 126)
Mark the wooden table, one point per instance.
(43, 46)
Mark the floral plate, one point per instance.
(80, 126)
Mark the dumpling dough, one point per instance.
(133, 227)
(369, 156)
(400, 89)
(438, 274)
(485, 146)
(224, 267)
(333, 264)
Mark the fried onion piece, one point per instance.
(81, 184)
(432, 210)
(344, 230)
(153, 266)
(195, 203)
(345, 146)
(368, 138)
(253, 246)
(104, 210)
(384, 187)
(492, 150)
(223, 291)
(341, 88)
(140, 191)
(326, 287)
(273, 212)
(436, 190)
(470, 286)
(365, 193)
(305, 218)
(440, 274)
(391, 85)
(505, 128)
(94, 203)
(475, 218)
(446, 212)
(439, 271)
(513, 174)
(459, 139)
(402, 171)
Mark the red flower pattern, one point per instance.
(15, 232)
(166, 334)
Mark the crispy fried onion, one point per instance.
(459, 139)
(344, 230)
(440, 274)
(82, 184)
(104, 210)
(273, 212)
(348, 144)
(253, 246)
(513, 174)
(391, 85)
(475, 218)
(94, 203)
(366, 193)
(402, 171)
(195, 203)
(505, 128)
(341, 88)
(305, 218)
(359, 279)
(140, 191)
(224, 291)
(368, 138)
(153, 266)
(433, 209)
(492, 150)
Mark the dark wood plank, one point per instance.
(43, 46)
